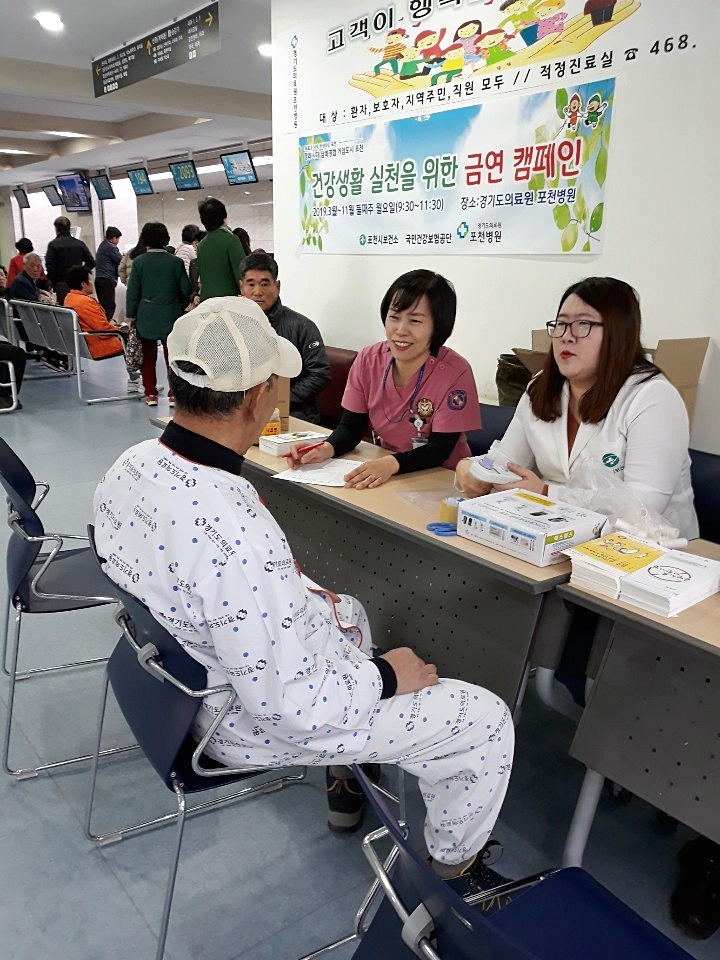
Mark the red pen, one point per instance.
(302, 450)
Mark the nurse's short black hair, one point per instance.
(410, 287)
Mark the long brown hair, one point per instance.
(621, 352)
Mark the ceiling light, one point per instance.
(262, 161)
(265, 50)
(68, 133)
(49, 21)
(13, 150)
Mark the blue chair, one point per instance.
(705, 475)
(41, 578)
(560, 915)
(159, 689)
(495, 421)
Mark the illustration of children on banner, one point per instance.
(596, 107)
(516, 33)
(573, 111)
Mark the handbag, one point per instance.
(133, 350)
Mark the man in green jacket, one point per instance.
(219, 253)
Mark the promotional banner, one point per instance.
(521, 175)
(355, 63)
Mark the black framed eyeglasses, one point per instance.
(578, 328)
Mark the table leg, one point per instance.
(582, 819)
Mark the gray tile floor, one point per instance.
(263, 880)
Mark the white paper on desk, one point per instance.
(329, 473)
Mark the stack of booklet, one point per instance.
(673, 583)
(279, 444)
(644, 574)
(601, 565)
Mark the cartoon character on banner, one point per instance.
(596, 107)
(392, 51)
(550, 19)
(573, 111)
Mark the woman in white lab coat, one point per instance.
(599, 399)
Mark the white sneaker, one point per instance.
(133, 386)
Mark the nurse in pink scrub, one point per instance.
(418, 396)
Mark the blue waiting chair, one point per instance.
(705, 475)
(495, 421)
(560, 915)
(159, 689)
(41, 578)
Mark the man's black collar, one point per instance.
(275, 311)
(201, 449)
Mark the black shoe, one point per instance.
(479, 877)
(695, 901)
(346, 800)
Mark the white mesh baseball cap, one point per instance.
(233, 342)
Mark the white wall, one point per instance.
(662, 209)
(252, 210)
(37, 223)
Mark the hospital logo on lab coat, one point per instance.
(611, 460)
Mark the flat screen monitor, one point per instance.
(140, 181)
(185, 175)
(103, 187)
(239, 167)
(21, 198)
(51, 192)
(75, 192)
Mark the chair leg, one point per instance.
(170, 889)
(401, 801)
(25, 773)
(582, 818)
(6, 630)
(96, 757)
(15, 643)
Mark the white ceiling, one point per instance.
(46, 84)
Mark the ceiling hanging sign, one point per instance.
(185, 39)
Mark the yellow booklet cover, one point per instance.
(619, 551)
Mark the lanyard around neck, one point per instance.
(411, 404)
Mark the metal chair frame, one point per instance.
(21, 512)
(70, 327)
(42, 329)
(148, 658)
(12, 383)
(7, 323)
(422, 916)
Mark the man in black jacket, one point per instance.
(62, 253)
(259, 282)
(108, 259)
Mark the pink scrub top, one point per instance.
(445, 399)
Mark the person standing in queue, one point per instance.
(418, 395)
(158, 293)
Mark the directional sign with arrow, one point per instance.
(186, 38)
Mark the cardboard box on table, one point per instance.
(279, 422)
(527, 525)
(283, 403)
(680, 360)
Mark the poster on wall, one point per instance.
(358, 62)
(518, 176)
